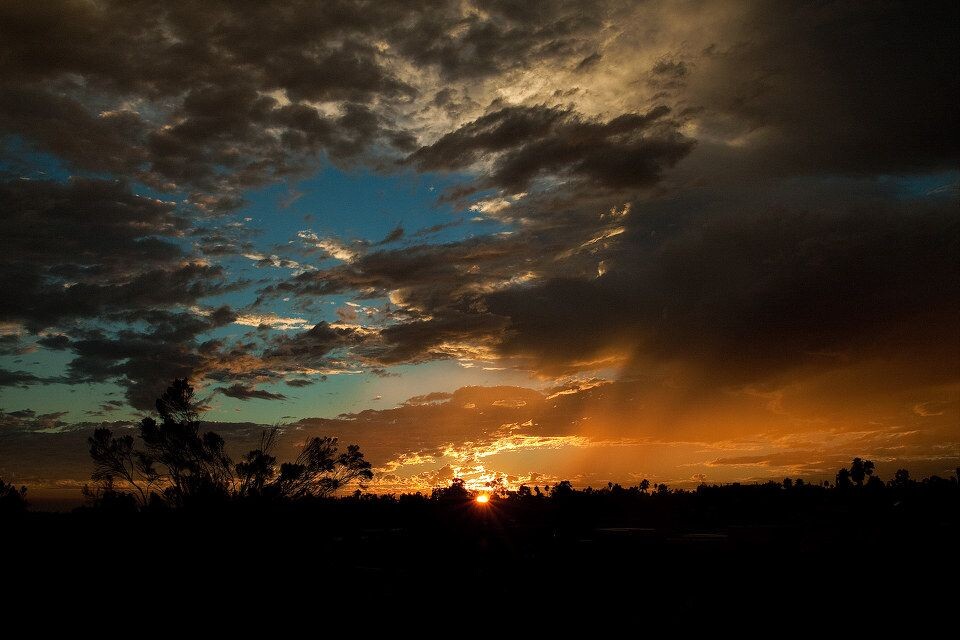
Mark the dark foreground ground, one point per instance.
(732, 556)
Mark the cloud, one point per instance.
(144, 361)
(11, 345)
(55, 342)
(299, 383)
(17, 378)
(270, 320)
(727, 295)
(429, 398)
(394, 235)
(56, 265)
(311, 348)
(244, 392)
(182, 108)
(62, 126)
(628, 151)
(704, 216)
(803, 96)
(331, 247)
(216, 97)
(749, 295)
(493, 37)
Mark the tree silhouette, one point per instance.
(187, 466)
(901, 479)
(561, 490)
(860, 469)
(195, 464)
(183, 463)
(843, 478)
(456, 492)
(319, 470)
(12, 500)
(497, 487)
(115, 458)
(258, 467)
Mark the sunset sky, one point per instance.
(681, 241)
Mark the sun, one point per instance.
(483, 498)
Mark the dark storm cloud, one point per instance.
(243, 392)
(312, 346)
(589, 61)
(836, 87)
(143, 361)
(418, 270)
(749, 295)
(201, 73)
(451, 334)
(439, 290)
(628, 151)
(17, 378)
(56, 342)
(218, 243)
(743, 296)
(789, 276)
(299, 383)
(396, 234)
(11, 345)
(89, 247)
(670, 69)
(436, 228)
(91, 251)
(251, 135)
(500, 36)
(209, 99)
(173, 93)
(62, 126)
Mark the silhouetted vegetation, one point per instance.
(181, 466)
(169, 502)
(748, 543)
(12, 499)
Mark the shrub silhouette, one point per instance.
(12, 499)
(456, 492)
(180, 465)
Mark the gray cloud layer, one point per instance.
(735, 200)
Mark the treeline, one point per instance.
(849, 485)
(178, 466)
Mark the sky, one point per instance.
(599, 241)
